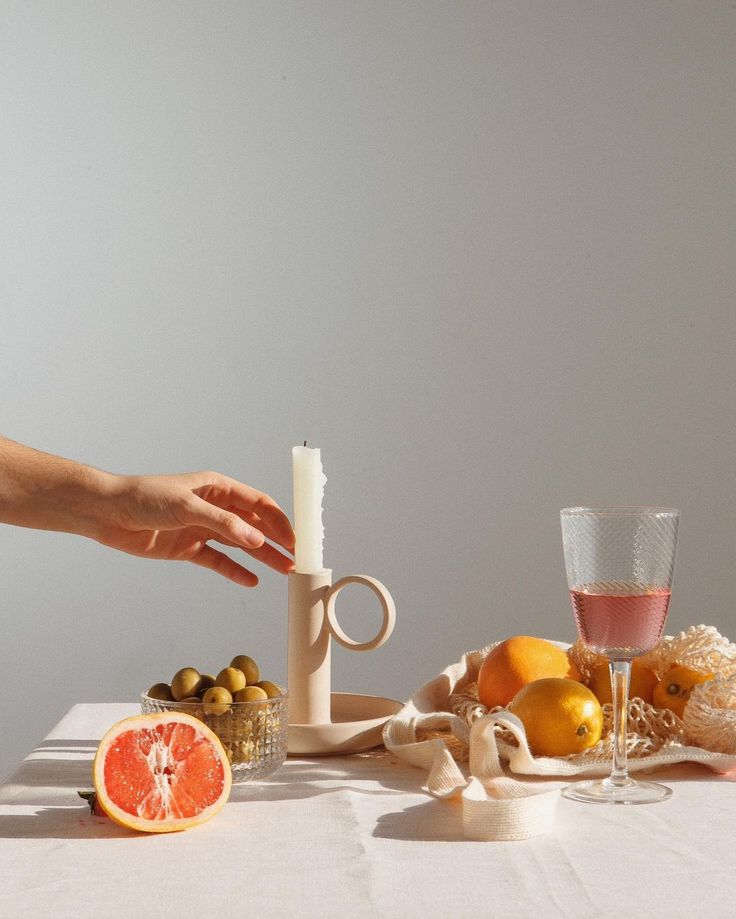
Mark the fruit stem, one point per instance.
(620, 675)
(94, 806)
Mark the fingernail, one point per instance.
(253, 538)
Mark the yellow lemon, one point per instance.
(560, 716)
(673, 690)
(518, 661)
(642, 684)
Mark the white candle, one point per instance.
(309, 489)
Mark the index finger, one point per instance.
(274, 522)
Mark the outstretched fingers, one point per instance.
(223, 565)
(272, 520)
(271, 556)
(267, 554)
(230, 526)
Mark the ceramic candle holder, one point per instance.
(320, 721)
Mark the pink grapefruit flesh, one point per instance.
(161, 772)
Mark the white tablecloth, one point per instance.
(353, 837)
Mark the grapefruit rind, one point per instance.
(145, 824)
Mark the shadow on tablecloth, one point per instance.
(384, 775)
(441, 820)
(61, 823)
(431, 821)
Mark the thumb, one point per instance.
(199, 512)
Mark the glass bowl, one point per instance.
(252, 733)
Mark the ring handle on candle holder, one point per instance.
(387, 605)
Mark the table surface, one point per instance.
(352, 837)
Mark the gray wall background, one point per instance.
(482, 253)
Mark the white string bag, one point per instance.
(444, 725)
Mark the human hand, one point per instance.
(176, 516)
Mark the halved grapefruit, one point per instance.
(161, 772)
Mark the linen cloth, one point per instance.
(352, 837)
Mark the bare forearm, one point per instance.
(159, 516)
(47, 492)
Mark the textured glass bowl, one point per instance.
(252, 733)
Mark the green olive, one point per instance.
(250, 694)
(243, 751)
(185, 683)
(160, 691)
(217, 700)
(248, 666)
(194, 699)
(205, 681)
(271, 689)
(231, 679)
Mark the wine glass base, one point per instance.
(603, 791)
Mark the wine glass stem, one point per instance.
(620, 673)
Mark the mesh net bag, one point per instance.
(448, 706)
(471, 753)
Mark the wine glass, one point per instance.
(620, 562)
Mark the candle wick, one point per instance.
(305, 443)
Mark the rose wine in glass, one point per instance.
(620, 621)
(620, 563)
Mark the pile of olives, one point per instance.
(253, 736)
(240, 682)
